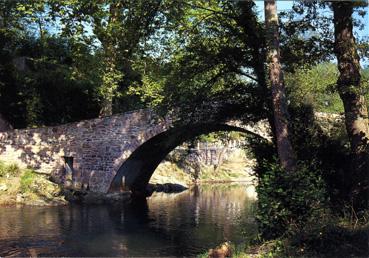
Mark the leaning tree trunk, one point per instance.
(351, 93)
(284, 146)
(109, 85)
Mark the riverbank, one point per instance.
(25, 186)
(330, 237)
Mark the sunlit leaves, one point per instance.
(315, 86)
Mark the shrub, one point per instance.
(288, 201)
(11, 170)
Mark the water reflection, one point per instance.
(163, 225)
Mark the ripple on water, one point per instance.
(181, 224)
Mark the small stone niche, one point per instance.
(68, 171)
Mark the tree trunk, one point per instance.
(106, 108)
(284, 146)
(110, 74)
(256, 40)
(348, 86)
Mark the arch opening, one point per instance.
(135, 173)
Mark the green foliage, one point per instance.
(306, 35)
(322, 237)
(324, 146)
(208, 58)
(315, 86)
(223, 137)
(150, 92)
(47, 87)
(288, 201)
(318, 185)
(26, 181)
(116, 30)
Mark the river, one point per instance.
(184, 224)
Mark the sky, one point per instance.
(284, 5)
(287, 5)
(281, 5)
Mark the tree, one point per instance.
(116, 29)
(216, 55)
(351, 93)
(284, 146)
(41, 81)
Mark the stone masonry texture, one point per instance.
(98, 146)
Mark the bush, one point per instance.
(288, 201)
(324, 150)
(322, 184)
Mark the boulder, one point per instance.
(224, 250)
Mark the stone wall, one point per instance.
(208, 154)
(98, 146)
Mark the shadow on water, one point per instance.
(163, 225)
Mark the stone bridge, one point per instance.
(113, 153)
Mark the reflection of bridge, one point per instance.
(112, 153)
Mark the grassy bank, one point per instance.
(25, 186)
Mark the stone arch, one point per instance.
(135, 173)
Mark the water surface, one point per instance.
(182, 224)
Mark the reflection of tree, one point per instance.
(196, 195)
(209, 214)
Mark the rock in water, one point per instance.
(224, 250)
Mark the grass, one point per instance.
(26, 180)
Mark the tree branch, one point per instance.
(247, 75)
